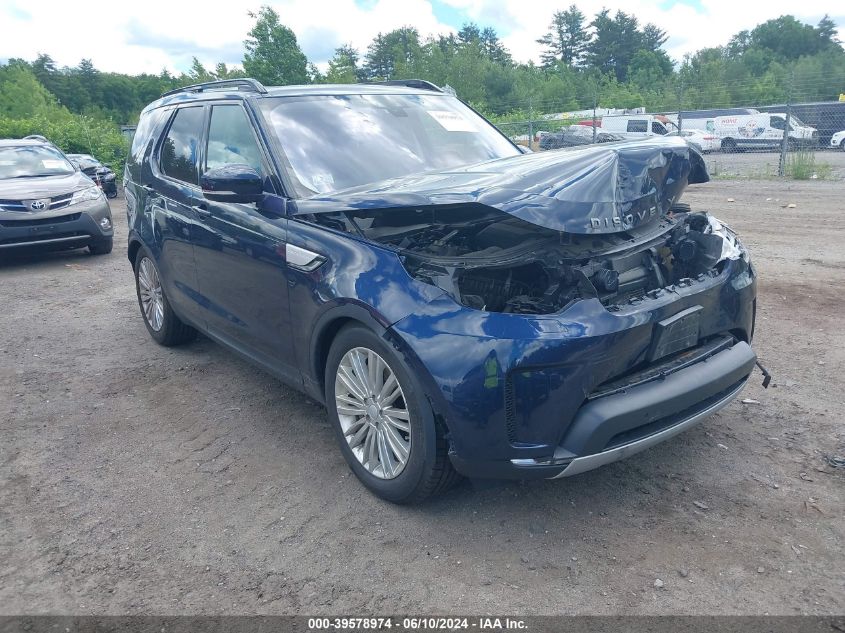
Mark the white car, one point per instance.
(702, 141)
(838, 140)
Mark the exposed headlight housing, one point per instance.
(86, 195)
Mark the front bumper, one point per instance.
(71, 227)
(633, 418)
(524, 397)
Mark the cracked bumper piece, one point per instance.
(612, 427)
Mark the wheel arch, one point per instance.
(135, 245)
(323, 335)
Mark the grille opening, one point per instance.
(9, 224)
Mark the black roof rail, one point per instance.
(245, 85)
(420, 84)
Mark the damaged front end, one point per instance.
(602, 224)
(487, 260)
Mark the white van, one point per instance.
(637, 125)
(763, 130)
(705, 125)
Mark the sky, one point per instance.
(154, 34)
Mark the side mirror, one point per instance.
(232, 183)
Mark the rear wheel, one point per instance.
(162, 323)
(385, 426)
(728, 145)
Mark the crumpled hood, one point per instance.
(603, 188)
(42, 187)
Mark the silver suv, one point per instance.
(47, 202)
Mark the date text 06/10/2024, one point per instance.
(353, 624)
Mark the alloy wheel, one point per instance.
(152, 298)
(373, 413)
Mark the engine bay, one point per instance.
(491, 261)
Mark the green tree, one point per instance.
(198, 73)
(485, 40)
(21, 94)
(221, 71)
(567, 38)
(273, 56)
(788, 38)
(826, 30)
(343, 66)
(389, 52)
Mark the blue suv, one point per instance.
(460, 306)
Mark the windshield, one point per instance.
(336, 142)
(85, 162)
(22, 161)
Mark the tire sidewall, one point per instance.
(423, 431)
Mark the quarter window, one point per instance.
(181, 145)
(637, 125)
(231, 140)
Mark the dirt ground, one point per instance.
(138, 479)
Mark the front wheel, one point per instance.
(842, 145)
(102, 246)
(386, 429)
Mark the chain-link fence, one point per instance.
(775, 137)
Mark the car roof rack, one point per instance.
(244, 85)
(420, 84)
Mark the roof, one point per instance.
(18, 142)
(289, 91)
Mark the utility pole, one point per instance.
(530, 124)
(784, 144)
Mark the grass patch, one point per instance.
(802, 165)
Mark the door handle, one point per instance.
(201, 209)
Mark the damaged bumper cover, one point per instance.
(560, 394)
(616, 426)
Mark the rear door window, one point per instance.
(180, 149)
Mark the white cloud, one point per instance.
(150, 35)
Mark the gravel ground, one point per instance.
(138, 479)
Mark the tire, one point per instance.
(102, 246)
(112, 195)
(165, 327)
(728, 145)
(427, 470)
(842, 145)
